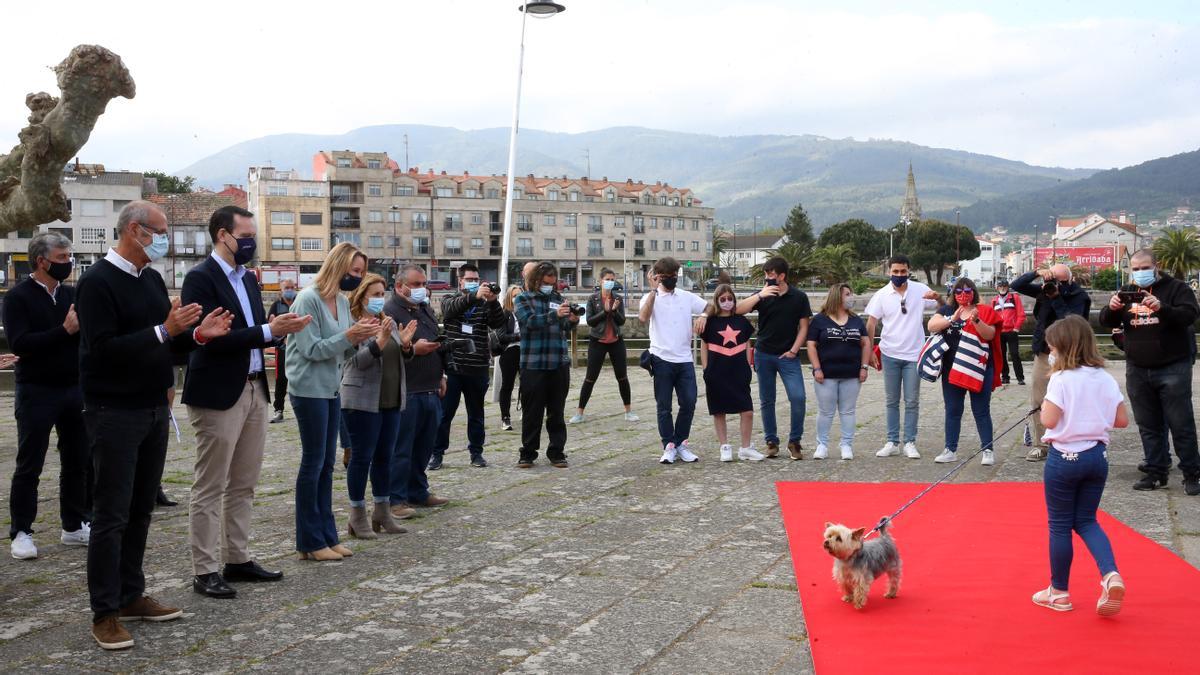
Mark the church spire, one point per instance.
(911, 211)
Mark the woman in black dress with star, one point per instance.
(725, 355)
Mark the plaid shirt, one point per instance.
(543, 332)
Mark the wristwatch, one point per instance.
(863, 367)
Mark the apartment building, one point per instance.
(188, 215)
(293, 221)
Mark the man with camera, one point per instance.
(467, 316)
(1056, 296)
(1156, 314)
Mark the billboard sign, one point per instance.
(1098, 257)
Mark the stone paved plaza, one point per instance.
(618, 564)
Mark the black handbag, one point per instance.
(646, 361)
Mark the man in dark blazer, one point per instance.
(229, 406)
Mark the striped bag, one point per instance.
(930, 361)
(970, 367)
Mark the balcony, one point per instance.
(452, 225)
(595, 251)
(420, 249)
(346, 198)
(494, 250)
(524, 227)
(639, 251)
(639, 229)
(346, 222)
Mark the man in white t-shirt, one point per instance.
(900, 305)
(669, 311)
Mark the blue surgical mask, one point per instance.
(374, 305)
(289, 295)
(609, 284)
(158, 246)
(418, 295)
(547, 289)
(1142, 277)
(899, 280)
(471, 286)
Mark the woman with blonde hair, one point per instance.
(508, 344)
(372, 397)
(315, 357)
(839, 350)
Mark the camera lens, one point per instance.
(495, 288)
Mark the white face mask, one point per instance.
(726, 305)
(1052, 359)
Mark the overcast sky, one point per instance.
(1074, 84)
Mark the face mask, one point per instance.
(349, 282)
(289, 295)
(470, 286)
(418, 295)
(244, 252)
(547, 289)
(157, 248)
(374, 305)
(1143, 277)
(609, 284)
(964, 299)
(60, 271)
(670, 282)
(1052, 359)
(848, 304)
(726, 305)
(899, 280)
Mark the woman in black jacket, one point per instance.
(605, 316)
(508, 344)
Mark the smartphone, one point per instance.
(1131, 297)
(772, 282)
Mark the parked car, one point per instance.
(437, 285)
(564, 285)
(711, 284)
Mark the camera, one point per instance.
(493, 287)
(1050, 288)
(1131, 297)
(466, 345)
(578, 310)
(772, 282)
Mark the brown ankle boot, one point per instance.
(381, 520)
(359, 527)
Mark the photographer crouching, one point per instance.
(1156, 314)
(1056, 296)
(546, 320)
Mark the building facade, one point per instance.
(988, 267)
(745, 251)
(293, 222)
(188, 215)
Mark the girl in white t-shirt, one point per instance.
(1082, 403)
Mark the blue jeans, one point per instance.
(899, 374)
(414, 445)
(318, 420)
(792, 374)
(344, 434)
(836, 396)
(981, 409)
(679, 378)
(1073, 490)
(472, 388)
(374, 439)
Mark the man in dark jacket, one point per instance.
(468, 314)
(1056, 296)
(1159, 345)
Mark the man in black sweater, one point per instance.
(468, 314)
(129, 331)
(43, 330)
(1157, 315)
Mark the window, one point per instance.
(453, 246)
(310, 191)
(375, 241)
(618, 221)
(420, 245)
(639, 247)
(573, 196)
(654, 223)
(552, 195)
(679, 224)
(695, 246)
(548, 219)
(653, 244)
(610, 196)
(476, 218)
(444, 192)
(471, 193)
(375, 190)
(696, 225)
(310, 244)
(276, 190)
(375, 216)
(524, 246)
(518, 193)
(310, 218)
(639, 225)
(595, 247)
(595, 224)
(283, 218)
(180, 238)
(373, 164)
(350, 237)
(395, 216)
(569, 244)
(403, 191)
(283, 244)
(680, 245)
(92, 207)
(572, 219)
(201, 240)
(666, 245)
(420, 220)
(343, 162)
(523, 223)
(493, 193)
(119, 204)
(549, 244)
(453, 221)
(619, 243)
(394, 242)
(476, 242)
(662, 200)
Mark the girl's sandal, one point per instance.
(1111, 594)
(1059, 602)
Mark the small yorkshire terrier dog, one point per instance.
(857, 564)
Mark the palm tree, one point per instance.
(1178, 251)
(834, 264)
(798, 258)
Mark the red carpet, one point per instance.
(973, 555)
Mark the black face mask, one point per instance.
(59, 271)
(244, 250)
(349, 282)
(670, 282)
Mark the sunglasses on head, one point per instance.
(964, 291)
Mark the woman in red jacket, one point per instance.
(1008, 306)
(971, 365)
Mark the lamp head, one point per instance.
(541, 8)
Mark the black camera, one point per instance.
(1050, 288)
(493, 287)
(578, 310)
(1131, 296)
(466, 345)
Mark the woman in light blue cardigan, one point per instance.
(315, 357)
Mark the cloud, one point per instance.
(1096, 91)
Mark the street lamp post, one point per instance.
(578, 272)
(395, 216)
(538, 8)
(957, 249)
(624, 260)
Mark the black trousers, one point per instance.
(280, 377)
(510, 365)
(129, 448)
(40, 408)
(544, 395)
(597, 352)
(1161, 399)
(1010, 347)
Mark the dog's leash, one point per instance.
(888, 519)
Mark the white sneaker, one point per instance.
(821, 453)
(889, 450)
(23, 547)
(910, 450)
(727, 453)
(750, 454)
(946, 457)
(576, 418)
(632, 417)
(686, 454)
(79, 537)
(989, 458)
(669, 454)
(847, 452)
